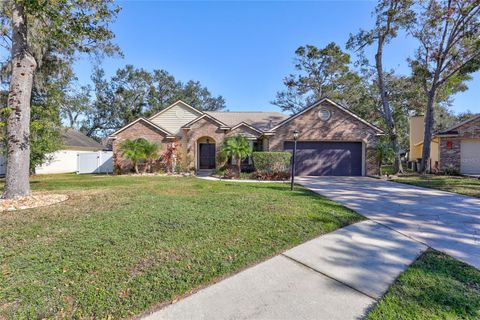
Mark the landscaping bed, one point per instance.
(458, 184)
(33, 201)
(436, 286)
(121, 245)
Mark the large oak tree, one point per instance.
(449, 51)
(390, 17)
(31, 28)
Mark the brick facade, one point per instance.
(340, 127)
(141, 129)
(202, 128)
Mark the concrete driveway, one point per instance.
(445, 221)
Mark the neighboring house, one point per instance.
(65, 160)
(454, 149)
(332, 140)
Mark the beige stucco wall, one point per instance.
(416, 136)
(417, 131)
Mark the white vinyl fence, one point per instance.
(65, 161)
(95, 162)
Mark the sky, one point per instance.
(243, 50)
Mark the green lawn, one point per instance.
(121, 245)
(457, 184)
(436, 286)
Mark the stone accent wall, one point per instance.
(450, 157)
(340, 127)
(141, 129)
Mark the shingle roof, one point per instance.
(259, 120)
(452, 130)
(72, 138)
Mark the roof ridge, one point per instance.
(472, 118)
(247, 112)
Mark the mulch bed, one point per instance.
(32, 201)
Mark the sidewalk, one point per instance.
(339, 275)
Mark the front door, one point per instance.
(206, 158)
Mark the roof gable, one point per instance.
(209, 117)
(334, 104)
(452, 130)
(175, 116)
(179, 102)
(156, 127)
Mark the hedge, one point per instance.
(269, 162)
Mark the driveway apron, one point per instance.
(445, 221)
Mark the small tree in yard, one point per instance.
(237, 148)
(384, 153)
(169, 157)
(139, 150)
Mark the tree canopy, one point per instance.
(129, 94)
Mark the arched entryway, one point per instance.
(206, 151)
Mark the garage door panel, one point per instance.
(470, 157)
(327, 158)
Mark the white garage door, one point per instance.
(470, 157)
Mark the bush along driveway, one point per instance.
(121, 245)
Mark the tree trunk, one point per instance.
(239, 164)
(387, 113)
(18, 122)
(135, 166)
(427, 136)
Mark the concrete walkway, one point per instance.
(339, 275)
(445, 221)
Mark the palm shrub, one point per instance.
(236, 147)
(150, 152)
(139, 150)
(384, 153)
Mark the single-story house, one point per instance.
(64, 160)
(332, 140)
(454, 149)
